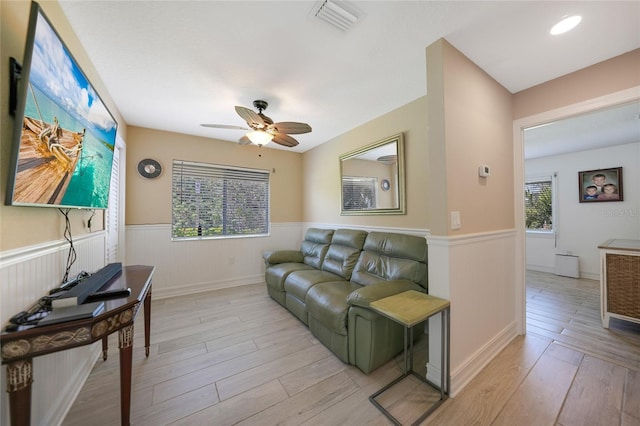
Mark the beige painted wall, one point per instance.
(149, 200)
(24, 226)
(473, 128)
(321, 170)
(604, 78)
(437, 166)
(375, 169)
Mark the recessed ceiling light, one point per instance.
(567, 23)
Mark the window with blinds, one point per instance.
(359, 193)
(538, 204)
(217, 201)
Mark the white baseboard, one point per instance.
(590, 276)
(550, 270)
(540, 268)
(470, 368)
(194, 288)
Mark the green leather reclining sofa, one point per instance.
(330, 282)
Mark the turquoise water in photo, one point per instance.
(89, 185)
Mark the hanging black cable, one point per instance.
(93, 213)
(71, 256)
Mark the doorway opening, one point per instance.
(540, 122)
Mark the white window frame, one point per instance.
(554, 204)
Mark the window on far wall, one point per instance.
(218, 201)
(539, 204)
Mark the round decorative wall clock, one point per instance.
(149, 168)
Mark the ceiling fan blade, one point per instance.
(244, 140)
(225, 126)
(284, 140)
(290, 127)
(253, 119)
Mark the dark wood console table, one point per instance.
(20, 347)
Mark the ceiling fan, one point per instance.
(262, 128)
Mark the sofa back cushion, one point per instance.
(389, 256)
(343, 252)
(315, 246)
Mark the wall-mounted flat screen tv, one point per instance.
(64, 135)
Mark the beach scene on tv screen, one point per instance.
(68, 135)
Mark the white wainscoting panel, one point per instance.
(186, 267)
(540, 251)
(476, 273)
(26, 274)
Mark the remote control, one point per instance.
(109, 294)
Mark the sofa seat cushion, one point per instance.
(327, 303)
(298, 283)
(275, 275)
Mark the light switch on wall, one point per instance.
(455, 220)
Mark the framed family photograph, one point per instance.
(600, 185)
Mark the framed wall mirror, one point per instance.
(372, 178)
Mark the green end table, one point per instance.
(408, 309)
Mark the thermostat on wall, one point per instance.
(484, 171)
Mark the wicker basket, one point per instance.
(623, 285)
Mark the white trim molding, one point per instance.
(409, 231)
(519, 126)
(476, 273)
(27, 274)
(22, 254)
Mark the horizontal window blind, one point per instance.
(212, 200)
(359, 193)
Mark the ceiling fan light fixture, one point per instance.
(259, 137)
(388, 160)
(567, 23)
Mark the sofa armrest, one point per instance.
(282, 256)
(365, 295)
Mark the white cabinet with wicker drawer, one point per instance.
(620, 280)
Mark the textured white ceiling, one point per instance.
(172, 65)
(617, 125)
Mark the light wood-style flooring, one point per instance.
(234, 356)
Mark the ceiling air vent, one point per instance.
(335, 14)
